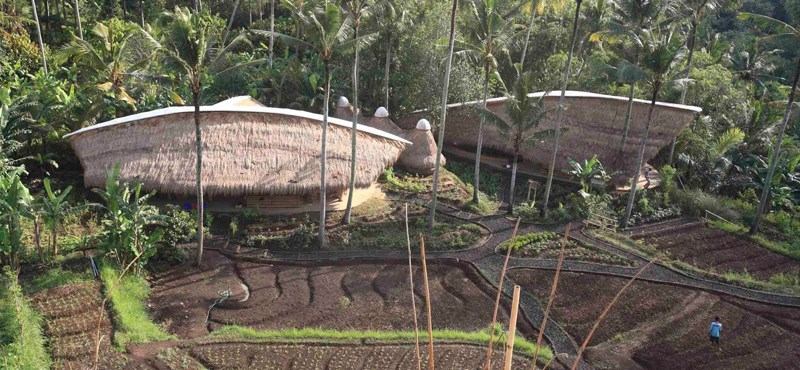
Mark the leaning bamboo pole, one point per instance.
(427, 302)
(512, 328)
(605, 313)
(552, 297)
(497, 299)
(413, 298)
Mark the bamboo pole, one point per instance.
(413, 298)
(427, 302)
(605, 313)
(497, 299)
(512, 328)
(552, 296)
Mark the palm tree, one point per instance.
(661, 53)
(298, 9)
(537, 7)
(524, 113)
(395, 22)
(697, 10)
(328, 33)
(78, 18)
(359, 10)
(39, 35)
(189, 50)
(117, 59)
(54, 209)
(488, 36)
(560, 116)
(785, 30)
(442, 121)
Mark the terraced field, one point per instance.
(715, 249)
(342, 296)
(661, 326)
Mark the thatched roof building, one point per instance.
(418, 158)
(595, 124)
(248, 150)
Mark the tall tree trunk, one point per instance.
(386, 69)
(39, 34)
(78, 19)
(443, 119)
(628, 116)
(692, 40)
(762, 205)
(560, 117)
(141, 11)
(527, 38)
(353, 134)
(640, 158)
(477, 180)
(250, 12)
(230, 22)
(198, 142)
(323, 158)
(54, 242)
(272, 32)
(513, 182)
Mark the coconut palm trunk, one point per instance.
(323, 158)
(198, 140)
(353, 133)
(560, 117)
(477, 181)
(513, 181)
(443, 119)
(527, 37)
(39, 34)
(765, 193)
(272, 32)
(628, 116)
(78, 19)
(230, 22)
(691, 44)
(640, 158)
(387, 66)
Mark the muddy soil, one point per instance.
(357, 296)
(658, 326)
(720, 251)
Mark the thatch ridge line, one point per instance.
(237, 109)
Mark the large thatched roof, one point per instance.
(247, 150)
(595, 124)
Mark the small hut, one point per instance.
(253, 156)
(419, 158)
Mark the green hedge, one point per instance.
(22, 344)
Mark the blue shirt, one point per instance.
(715, 329)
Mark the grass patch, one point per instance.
(130, 316)
(22, 344)
(783, 248)
(56, 277)
(779, 283)
(521, 345)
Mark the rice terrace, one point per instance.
(399, 184)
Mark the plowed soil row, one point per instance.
(659, 326)
(720, 251)
(355, 296)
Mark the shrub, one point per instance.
(696, 203)
(22, 344)
(128, 305)
(526, 239)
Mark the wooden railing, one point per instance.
(602, 222)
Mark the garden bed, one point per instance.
(662, 326)
(547, 245)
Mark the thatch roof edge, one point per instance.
(236, 109)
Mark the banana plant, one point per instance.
(54, 209)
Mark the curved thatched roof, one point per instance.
(595, 125)
(247, 150)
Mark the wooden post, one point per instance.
(497, 298)
(512, 328)
(413, 298)
(427, 302)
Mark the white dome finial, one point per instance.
(343, 102)
(381, 112)
(423, 124)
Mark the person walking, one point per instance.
(714, 332)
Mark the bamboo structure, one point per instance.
(497, 298)
(413, 298)
(512, 328)
(593, 121)
(427, 302)
(552, 298)
(249, 150)
(605, 313)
